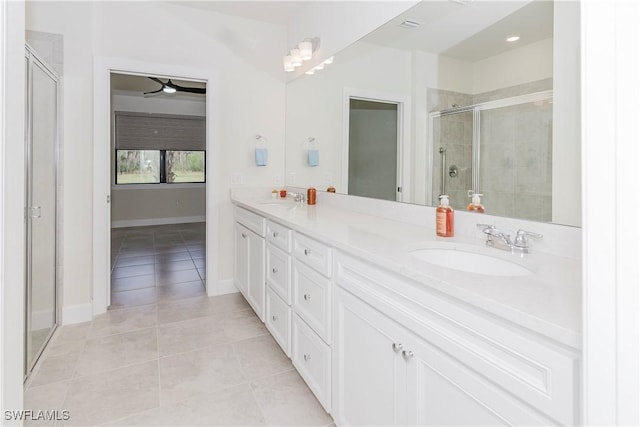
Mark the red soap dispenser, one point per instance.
(444, 218)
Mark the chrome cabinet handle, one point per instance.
(407, 354)
(274, 270)
(274, 317)
(307, 297)
(307, 357)
(397, 346)
(307, 252)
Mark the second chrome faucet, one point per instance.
(500, 240)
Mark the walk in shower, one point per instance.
(501, 149)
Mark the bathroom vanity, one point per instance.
(385, 335)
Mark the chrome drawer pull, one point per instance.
(274, 317)
(407, 354)
(307, 252)
(307, 297)
(275, 234)
(307, 357)
(397, 346)
(275, 270)
(244, 236)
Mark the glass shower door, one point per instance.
(452, 157)
(515, 151)
(41, 209)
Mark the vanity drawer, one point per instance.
(252, 221)
(312, 358)
(279, 235)
(313, 253)
(279, 272)
(536, 370)
(278, 320)
(312, 299)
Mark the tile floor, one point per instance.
(171, 360)
(157, 263)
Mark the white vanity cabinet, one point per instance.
(406, 356)
(249, 260)
(278, 315)
(311, 323)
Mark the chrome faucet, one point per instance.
(520, 246)
(298, 197)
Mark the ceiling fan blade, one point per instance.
(155, 79)
(155, 91)
(186, 89)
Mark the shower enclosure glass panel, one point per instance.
(41, 147)
(517, 142)
(452, 157)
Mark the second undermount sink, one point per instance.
(457, 258)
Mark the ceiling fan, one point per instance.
(170, 87)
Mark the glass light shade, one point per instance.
(319, 66)
(329, 60)
(168, 89)
(310, 72)
(296, 60)
(306, 50)
(288, 64)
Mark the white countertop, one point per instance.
(548, 301)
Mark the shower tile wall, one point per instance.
(516, 143)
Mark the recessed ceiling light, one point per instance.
(512, 39)
(409, 24)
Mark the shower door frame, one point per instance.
(32, 56)
(475, 149)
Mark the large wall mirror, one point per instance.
(451, 97)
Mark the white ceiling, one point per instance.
(469, 31)
(276, 12)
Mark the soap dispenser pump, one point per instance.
(444, 218)
(475, 205)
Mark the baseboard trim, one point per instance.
(77, 314)
(223, 287)
(157, 221)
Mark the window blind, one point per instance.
(143, 131)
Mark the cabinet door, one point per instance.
(241, 258)
(256, 281)
(441, 391)
(368, 369)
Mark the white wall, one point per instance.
(528, 63)
(12, 190)
(566, 183)
(247, 56)
(158, 204)
(314, 108)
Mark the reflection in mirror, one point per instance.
(474, 113)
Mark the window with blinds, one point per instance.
(159, 148)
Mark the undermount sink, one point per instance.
(457, 258)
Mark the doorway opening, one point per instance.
(158, 189)
(375, 152)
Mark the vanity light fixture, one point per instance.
(319, 66)
(329, 60)
(306, 49)
(296, 60)
(512, 39)
(169, 89)
(288, 64)
(303, 51)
